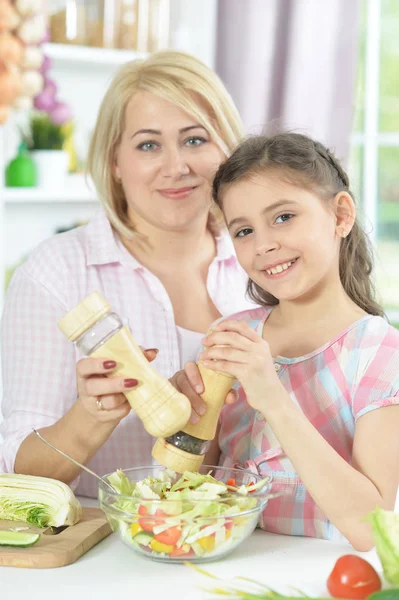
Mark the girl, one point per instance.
(318, 359)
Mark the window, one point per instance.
(374, 160)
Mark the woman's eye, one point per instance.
(243, 232)
(284, 217)
(195, 141)
(147, 146)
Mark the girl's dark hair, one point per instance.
(303, 162)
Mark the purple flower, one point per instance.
(49, 87)
(60, 113)
(46, 65)
(44, 101)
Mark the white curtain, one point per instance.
(290, 64)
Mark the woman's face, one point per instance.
(166, 162)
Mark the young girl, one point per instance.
(318, 359)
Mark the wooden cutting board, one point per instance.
(57, 550)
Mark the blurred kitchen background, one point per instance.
(328, 68)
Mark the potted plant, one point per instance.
(48, 133)
(45, 139)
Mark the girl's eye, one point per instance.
(284, 217)
(195, 141)
(243, 232)
(147, 146)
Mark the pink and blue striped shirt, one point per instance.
(356, 372)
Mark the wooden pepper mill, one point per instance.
(185, 450)
(99, 332)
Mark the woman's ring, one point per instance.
(99, 404)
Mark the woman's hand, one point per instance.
(189, 382)
(233, 347)
(103, 396)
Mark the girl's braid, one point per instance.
(332, 160)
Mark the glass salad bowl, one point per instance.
(174, 518)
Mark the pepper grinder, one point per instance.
(185, 450)
(99, 332)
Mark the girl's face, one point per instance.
(166, 161)
(286, 238)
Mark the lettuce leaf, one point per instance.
(385, 524)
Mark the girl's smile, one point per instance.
(280, 269)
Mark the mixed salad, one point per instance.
(191, 517)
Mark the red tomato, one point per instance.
(353, 577)
(181, 552)
(148, 522)
(169, 536)
(231, 481)
(250, 485)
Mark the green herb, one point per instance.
(250, 590)
(43, 134)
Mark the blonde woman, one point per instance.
(156, 251)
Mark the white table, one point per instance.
(112, 571)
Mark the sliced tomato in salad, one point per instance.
(169, 536)
(182, 552)
(147, 522)
(143, 510)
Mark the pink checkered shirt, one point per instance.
(39, 363)
(356, 372)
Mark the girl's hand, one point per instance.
(189, 382)
(233, 347)
(103, 396)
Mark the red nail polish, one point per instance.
(130, 383)
(109, 364)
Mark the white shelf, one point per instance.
(90, 55)
(75, 190)
(39, 195)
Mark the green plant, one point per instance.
(44, 134)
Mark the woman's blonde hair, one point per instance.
(174, 76)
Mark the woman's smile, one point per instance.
(177, 193)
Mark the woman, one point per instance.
(156, 252)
